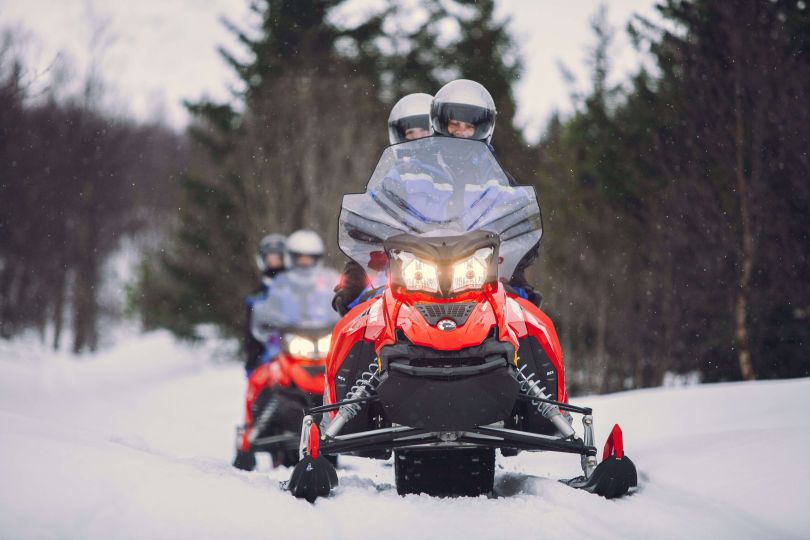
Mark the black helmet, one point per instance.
(410, 112)
(270, 244)
(465, 101)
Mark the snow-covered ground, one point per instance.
(136, 442)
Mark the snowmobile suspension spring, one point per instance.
(366, 385)
(531, 387)
(264, 419)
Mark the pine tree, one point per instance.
(684, 201)
(304, 130)
(738, 75)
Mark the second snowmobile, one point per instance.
(297, 310)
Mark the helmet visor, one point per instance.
(304, 260)
(481, 119)
(409, 128)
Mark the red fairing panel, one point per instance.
(470, 334)
(519, 318)
(296, 370)
(262, 377)
(353, 327)
(538, 325)
(373, 321)
(283, 372)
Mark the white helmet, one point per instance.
(464, 101)
(303, 243)
(410, 112)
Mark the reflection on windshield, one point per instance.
(439, 186)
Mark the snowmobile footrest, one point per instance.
(611, 479)
(335, 406)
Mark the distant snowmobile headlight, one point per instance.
(418, 275)
(324, 343)
(300, 347)
(471, 273)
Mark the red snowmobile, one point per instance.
(298, 311)
(447, 364)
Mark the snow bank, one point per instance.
(136, 443)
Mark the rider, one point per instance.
(409, 120)
(270, 260)
(304, 249)
(465, 109)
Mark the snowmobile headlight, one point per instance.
(300, 347)
(471, 273)
(324, 343)
(417, 274)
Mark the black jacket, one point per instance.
(253, 348)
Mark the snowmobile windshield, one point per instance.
(438, 186)
(300, 298)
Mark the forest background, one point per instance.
(676, 205)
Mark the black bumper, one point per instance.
(448, 390)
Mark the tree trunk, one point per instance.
(85, 302)
(601, 338)
(669, 322)
(747, 255)
(58, 312)
(6, 277)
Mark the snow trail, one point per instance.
(136, 442)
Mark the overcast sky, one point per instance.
(163, 51)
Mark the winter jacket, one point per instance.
(253, 348)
